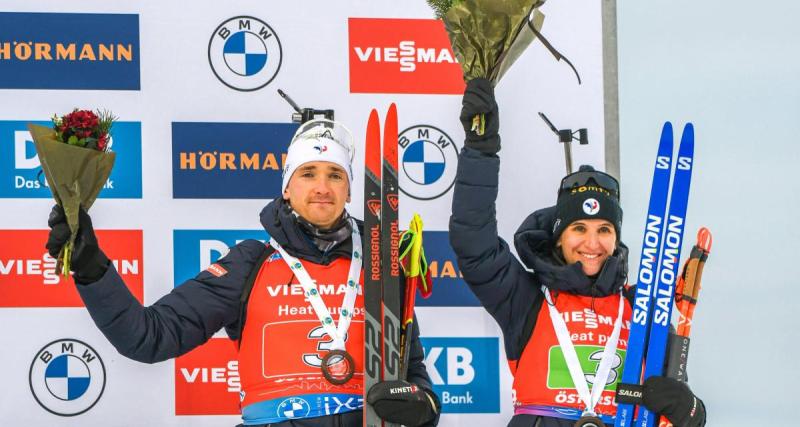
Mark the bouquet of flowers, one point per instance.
(489, 35)
(76, 160)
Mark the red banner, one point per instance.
(28, 276)
(207, 380)
(402, 56)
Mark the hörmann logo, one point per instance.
(429, 160)
(402, 56)
(245, 53)
(69, 51)
(451, 290)
(28, 276)
(465, 373)
(67, 377)
(21, 173)
(229, 160)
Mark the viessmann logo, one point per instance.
(69, 51)
(402, 56)
(229, 160)
(207, 380)
(28, 276)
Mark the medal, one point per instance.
(589, 419)
(337, 366)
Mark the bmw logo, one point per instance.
(293, 407)
(429, 160)
(245, 53)
(67, 377)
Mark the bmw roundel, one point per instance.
(245, 53)
(428, 162)
(67, 377)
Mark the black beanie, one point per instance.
(587, 199)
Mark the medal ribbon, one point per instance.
(337, 331)
(571, 357)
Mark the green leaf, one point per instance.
(73, 140)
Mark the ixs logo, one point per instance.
(67, 377)
(69, 51)
(429, 160)
(451, 290)
(197, 250)
(21, 172)
(245, 53)
(402, 56)
(229, 160)
(465, 373)
(28, 276)
(207, 380)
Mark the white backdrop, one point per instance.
(178, 85)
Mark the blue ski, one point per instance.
(648, 265)
(668, 268)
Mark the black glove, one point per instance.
(674, 400)
(479, 99)
(402, 402)
(88, 262)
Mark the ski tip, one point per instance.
(666, 135)
(688, 129)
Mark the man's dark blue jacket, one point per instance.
(190, 315)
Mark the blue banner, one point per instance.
(20, 169)
(195, 250)
(229, 160)
(69, 51)
(465, 373)
(449, 289)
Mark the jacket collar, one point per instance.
(533, 241)
(279, 222)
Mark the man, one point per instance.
(296, 298)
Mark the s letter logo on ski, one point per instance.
(245, 53)
(402, 56)
(207, 380)
(229, 160)
(69, 51)
(20, 170)
(195, 250)
(465, 373)
(67, 377)
(28, 276)
(450, 290)
(428, 162)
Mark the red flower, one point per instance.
(102, 141)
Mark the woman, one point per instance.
(563, 312)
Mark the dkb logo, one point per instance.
(196, 250)
(464, 373)
(20, 173)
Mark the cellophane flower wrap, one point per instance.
(488, 36)
(76, 161)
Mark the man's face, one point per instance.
(318, 191)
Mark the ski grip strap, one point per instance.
(629, 393)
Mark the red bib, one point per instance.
(283, 342)
(541, 378)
